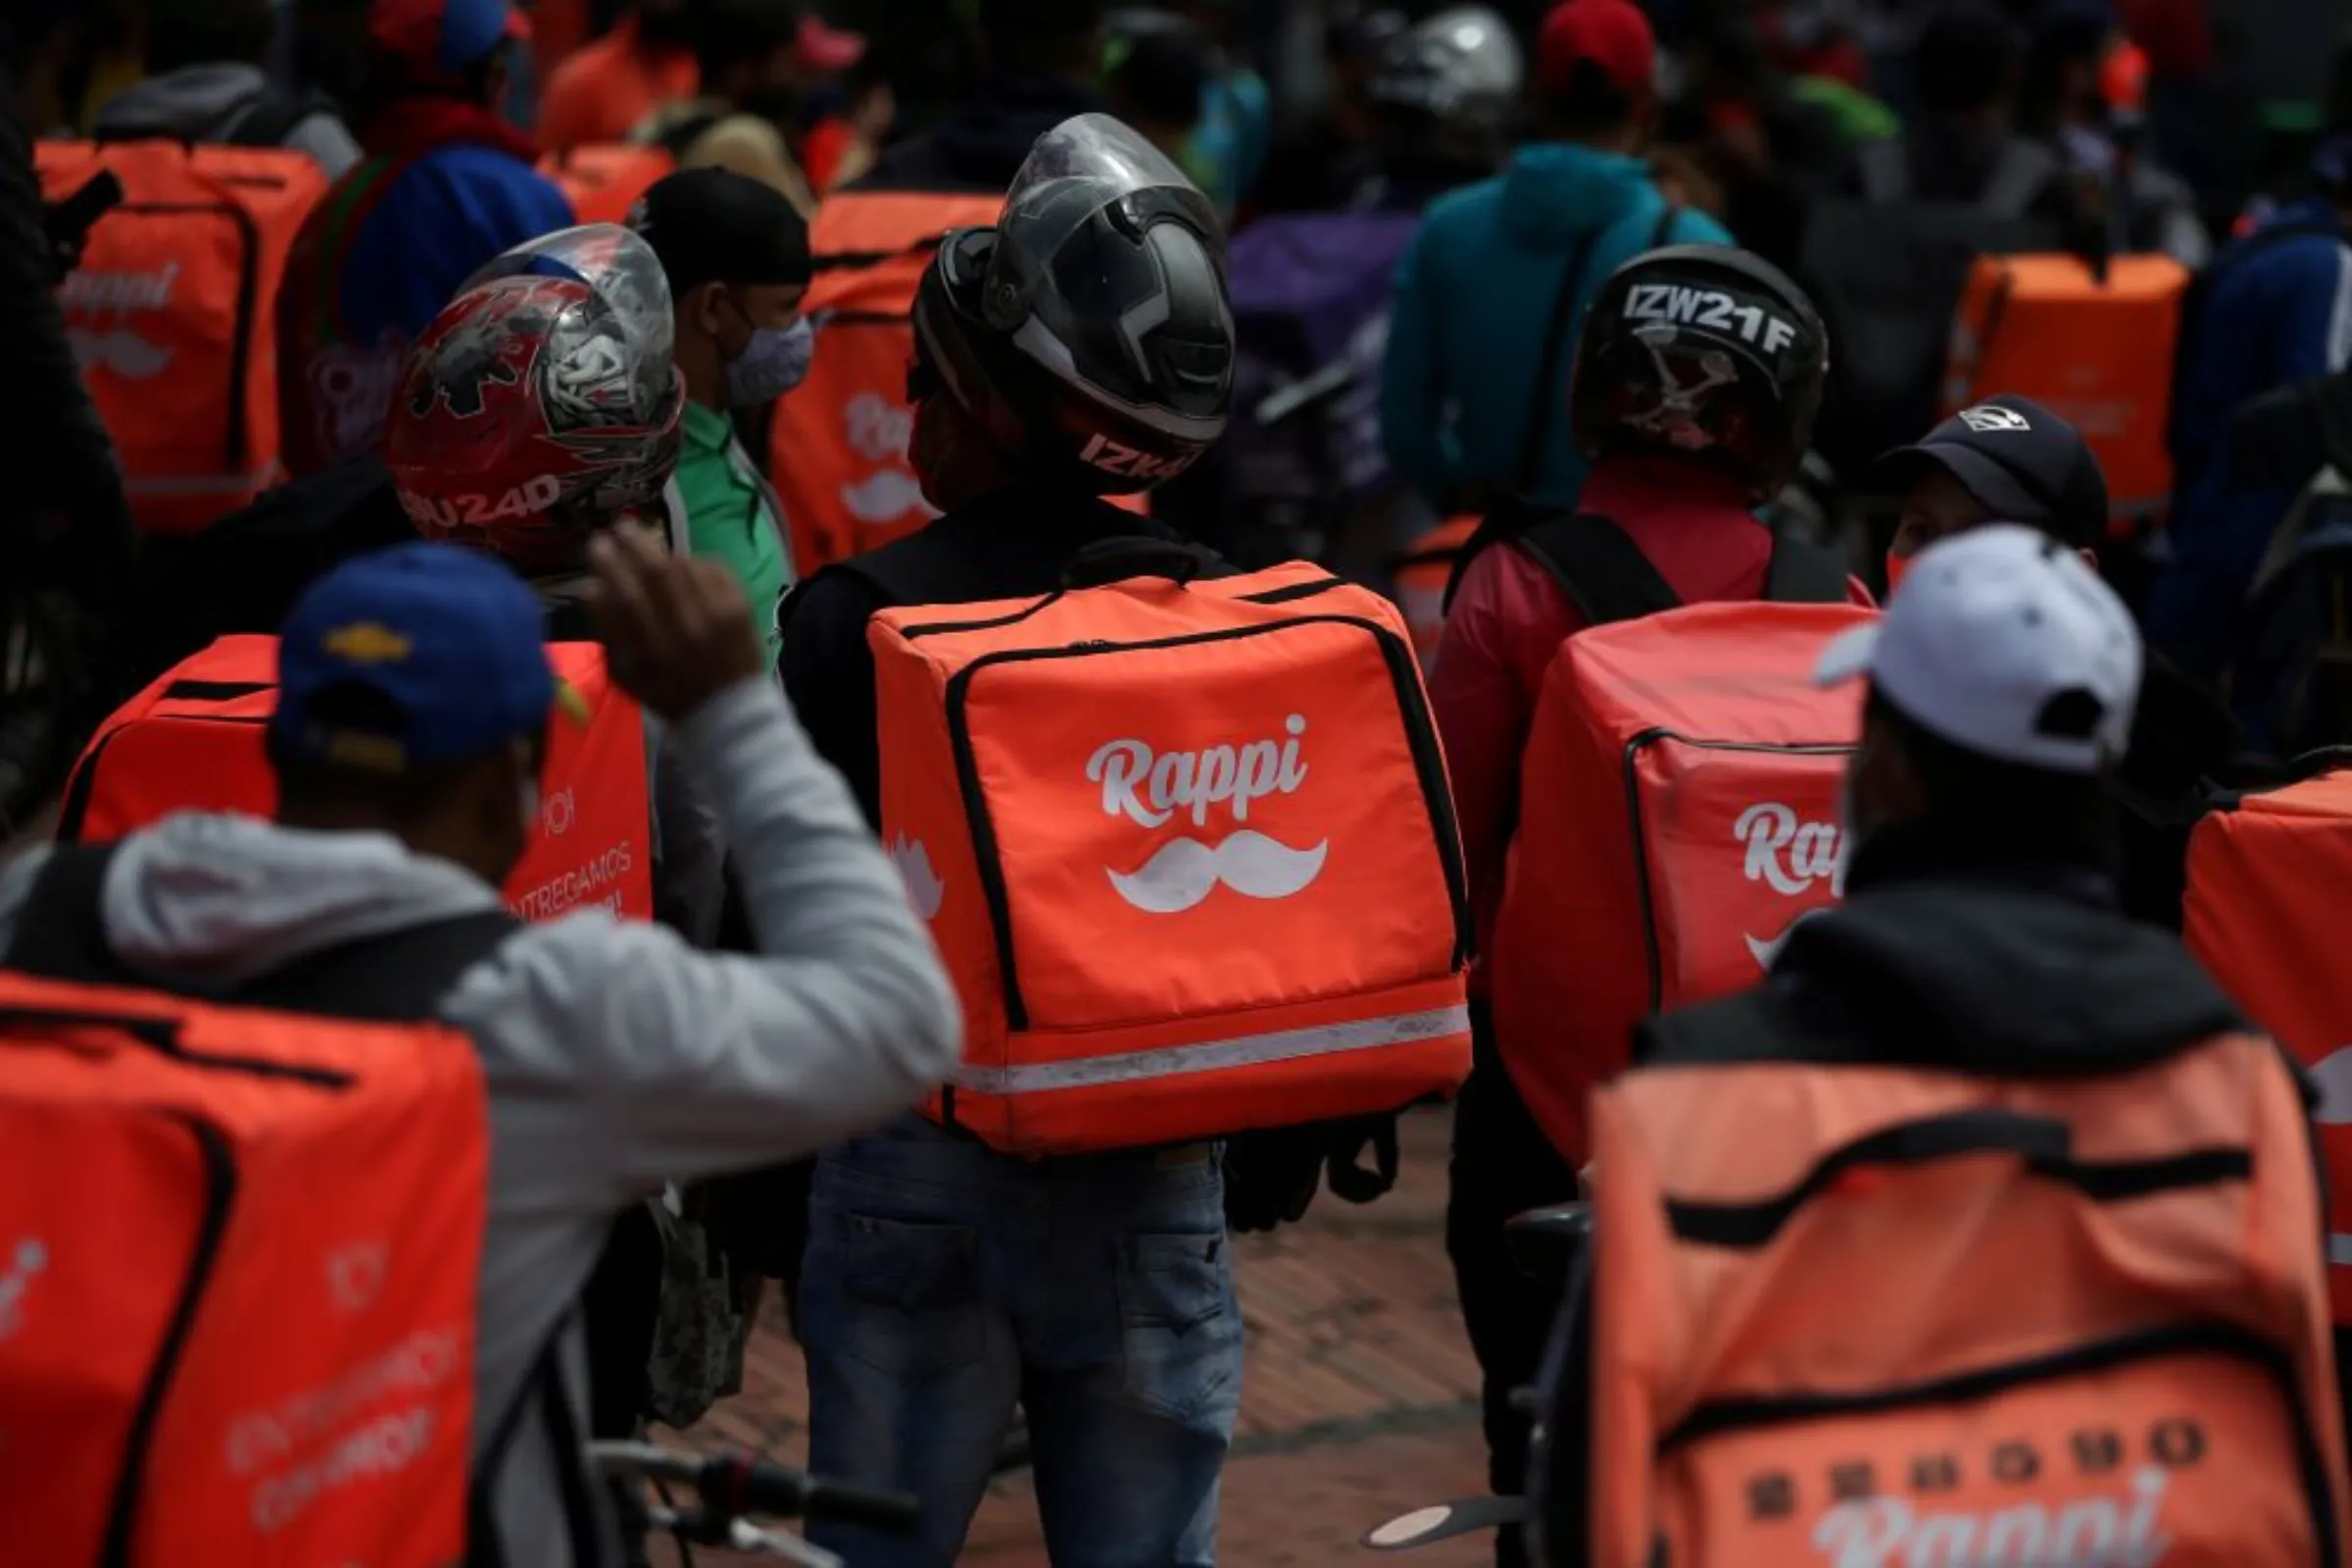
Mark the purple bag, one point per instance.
(1310, 307)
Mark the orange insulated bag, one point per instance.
(1188, 850)
(193, 741)
(239, 1257)
(1873, 1316)
(1425, 579)
(603, 180)
(171, 315)
(2095, 349)
(1678, 814)
(2266, 883)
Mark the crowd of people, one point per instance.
(771, 680)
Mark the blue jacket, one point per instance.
(1474, 293)
(2276, 311)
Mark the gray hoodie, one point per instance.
(618, 1057)
(204, 103)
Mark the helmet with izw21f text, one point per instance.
(1704, 353)
(1090, 332)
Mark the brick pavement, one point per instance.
(1359, 1399)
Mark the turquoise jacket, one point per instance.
(1474, 293)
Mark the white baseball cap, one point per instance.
(2004, 642)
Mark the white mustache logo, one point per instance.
(1186, 871)
(124, 353)
(884, 496)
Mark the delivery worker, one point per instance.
(837, 452)
(735, 254)
(618, 1057)
(446, 185)
(923, 1307)
(1682, 493)
(1490, 295)
(1978, 994)
(2009, 458)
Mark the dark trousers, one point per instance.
(1503, 1164)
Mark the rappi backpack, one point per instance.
(1187, 849)
(836, 447)
(171, 315)
(2266, 874)
(603, 180)
(1898, 1314)
(1678, 807)
(193, 741)
(239, 1262)
(2094, 345)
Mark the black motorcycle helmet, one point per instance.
(1450, 85)
(1090, 332)
(1704, 353)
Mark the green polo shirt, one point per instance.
(733, 516)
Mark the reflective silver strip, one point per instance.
(2339, 1248)
(1215, 1055)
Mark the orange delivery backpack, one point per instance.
(1883, 1315)
(604, 180)
(836, 447)
(1679, 808)
(239, 1258)
(2095, 347)
(1424, 582)
(2267, 873)
(1187, 848)
(193, 741)
(171, 315)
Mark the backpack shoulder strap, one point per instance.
(399, 977)
(1599, 568)
(1803, 573)
(60, 934)
(1663, 234)
(1548, 372)
(2023, 168)
(1886, 169)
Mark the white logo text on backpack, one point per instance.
(2090, 1532)
(1709, 310)
(1149, 788)
(1788, 855)
(86, 296)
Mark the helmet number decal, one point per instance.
(1709, 308)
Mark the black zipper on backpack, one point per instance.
(1428, 760)
(84, 782)
(1716, 1418)
(220, 1196)
(1651, 955)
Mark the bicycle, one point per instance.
(729, 1487)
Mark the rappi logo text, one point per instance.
(1149, 788)
(1791, 856)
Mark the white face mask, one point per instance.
(774, 362)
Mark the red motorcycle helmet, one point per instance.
(543, 403)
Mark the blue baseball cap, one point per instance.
(453, 643)
(442, 37)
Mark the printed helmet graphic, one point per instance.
(1460, 70)
(1707, 354)
(1090, 332)
(543, 402)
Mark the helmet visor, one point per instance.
(1092, 163)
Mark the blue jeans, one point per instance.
(944, 1281)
